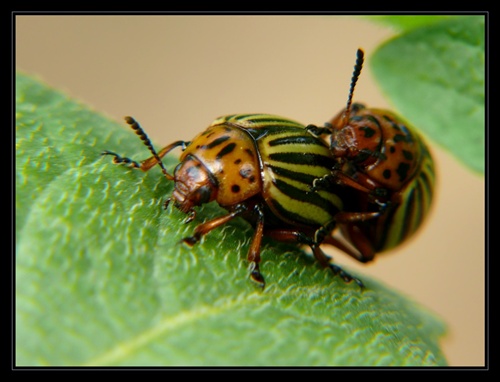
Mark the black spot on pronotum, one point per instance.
(408, 155)
(226, 150)
(235, 188)
(249, 152)
(401, 138)
(369, 132)
(386, 174)
(218, 141)
(402, 170)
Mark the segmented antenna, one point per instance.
(355, 75)
(145, 139)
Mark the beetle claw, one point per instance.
(256, 276)
(191, 216)
(190, 240)
(345, 276)
(166, 203)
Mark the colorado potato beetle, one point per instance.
(364, 192)
(260, 167)
(389, 169)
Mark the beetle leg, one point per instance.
(166, 203)
(296, 236)
(363, 249)
(208, 226)
(337, 177)
(254, 251)
(318, 131)
(347, 222)
(326, 261)
(345, 217)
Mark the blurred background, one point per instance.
(175, 74)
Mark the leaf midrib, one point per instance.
(123, 349)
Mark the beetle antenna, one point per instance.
(145, 139)
(355, 75)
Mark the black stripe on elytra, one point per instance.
(388, 224)
(217, 142)
(411, 205)
(277, 126)
(226, 150)
(419, 207)
(408, 155)
(303, 196)
(242, 116)
(294, 140)
(298, 176)
(269, 120)
(304, 159)
(426, 183)
(288, 215)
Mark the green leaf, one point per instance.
(434, 75)
(405, 22)
(102, 278)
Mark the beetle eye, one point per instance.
(203, 194)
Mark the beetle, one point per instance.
(388, 167)
(260, 167)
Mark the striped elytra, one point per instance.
(260, 167)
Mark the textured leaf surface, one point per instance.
(101, 278)
(434, 75)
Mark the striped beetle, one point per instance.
(389, 169)
(293, 186)
(260, 167)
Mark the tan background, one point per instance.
(175, 74)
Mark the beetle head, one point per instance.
(194, 185)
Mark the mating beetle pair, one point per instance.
(365, 191)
